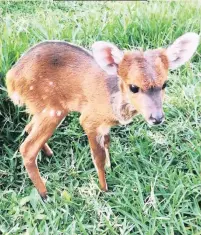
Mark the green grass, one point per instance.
(155, 185)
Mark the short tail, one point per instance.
(13, 93)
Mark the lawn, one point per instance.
(155, 182)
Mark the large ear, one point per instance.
(182, 49)
(107, 55)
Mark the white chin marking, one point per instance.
(150, 122)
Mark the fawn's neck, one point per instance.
(122, 109)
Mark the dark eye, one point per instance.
(134, 88)
(164, 85)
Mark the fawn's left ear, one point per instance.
(182, 49)
(107, 55)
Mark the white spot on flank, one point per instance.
(51, 83)
(52, 112)
(15, 98)
(44, 110)
(58, 113)
(31, 88)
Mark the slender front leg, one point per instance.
(106, 146)
(98, 144)
(99, 159)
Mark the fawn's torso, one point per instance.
(56, 77)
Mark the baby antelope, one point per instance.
(108, 87)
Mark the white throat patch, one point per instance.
(122, 109)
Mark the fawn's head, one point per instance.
(143, 75)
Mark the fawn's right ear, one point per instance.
(107, 55)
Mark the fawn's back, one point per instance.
(57, 77)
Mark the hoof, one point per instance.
(44, 196)
(49, 154)
(47, 150)
(104, 188)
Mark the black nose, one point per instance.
(157, 119)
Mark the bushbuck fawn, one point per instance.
(108, 87)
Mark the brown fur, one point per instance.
(54, 78)
(144, 69)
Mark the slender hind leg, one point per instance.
(41, 131)
(47, 150)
